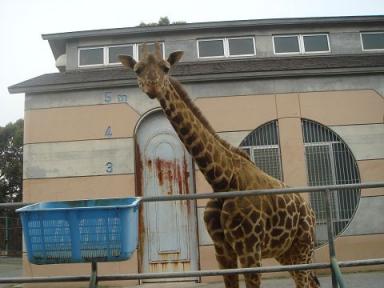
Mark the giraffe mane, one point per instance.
(196, 111)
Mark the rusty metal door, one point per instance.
(168, 234)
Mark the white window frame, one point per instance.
(242, 37)
(90, 48)
(208, 40)
(362, 43)
(107, 61)
(227, 53)
(285, 36)
(316, 52)
(300, 38)
(106, 54)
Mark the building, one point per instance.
(303, 96)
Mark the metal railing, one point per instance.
(333, 265)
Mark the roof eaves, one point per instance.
(213, 25)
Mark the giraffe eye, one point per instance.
(138, 70)
(165, 67)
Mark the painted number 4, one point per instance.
(108, 132)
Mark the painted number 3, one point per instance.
(109, 167)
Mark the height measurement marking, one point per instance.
(109, 167)
(108, 132)
(107, 97)
(110, 98)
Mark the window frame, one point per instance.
(343, 169)
(362, 42)
(90, 48)
(241, 55)
(300, 38)
(319, 51)
(106, 60)
(227, 52)
(286, 36)
(207, 40)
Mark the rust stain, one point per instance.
(186, 175)
(179, 178)
(139, 192)
(172, 266)
(139, 171)
(159, 171)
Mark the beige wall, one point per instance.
(79, 123)
(71, 188)
(50, 132)
(372, 171)
(239, 112)
(342, 107)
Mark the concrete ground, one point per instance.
(12, 267)
(353, 280)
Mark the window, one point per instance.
(211, 48)
(372, 40)
(108, 55)
(115, 51)
(286, 44)
(329, 162)
(316, 43)
(91, 56)
(241, 46)
(301, 44)
(262, 145)
(226, 47)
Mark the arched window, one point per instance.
(262, 145)
(329, 161)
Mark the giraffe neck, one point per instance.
(211, 154)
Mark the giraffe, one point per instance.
(243, 229)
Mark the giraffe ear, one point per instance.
(175, 57)
(127, 61)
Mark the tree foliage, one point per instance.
(163, 21)
(11, 161)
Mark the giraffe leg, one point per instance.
(300, 253)
(248, 261)
(244, 233)
(225, 255)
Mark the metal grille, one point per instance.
(262, 145)
(330, 162)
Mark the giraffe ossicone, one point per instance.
(243, 229)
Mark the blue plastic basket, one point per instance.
(80, 231)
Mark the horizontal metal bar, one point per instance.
(203, 273)
(260, 192)
(231, 194)
(14, 205)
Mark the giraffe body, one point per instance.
(243, 229)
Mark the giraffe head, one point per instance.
(152, 70)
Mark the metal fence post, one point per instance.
(331, 244)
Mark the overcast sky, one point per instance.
(25, 55)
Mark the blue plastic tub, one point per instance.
(80, 231)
